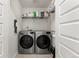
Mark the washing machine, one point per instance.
(43, 42)
(26, 42)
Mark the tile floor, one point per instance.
(34, 56)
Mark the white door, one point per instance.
(3, 28)
(67, 28)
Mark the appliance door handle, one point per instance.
(15, 27)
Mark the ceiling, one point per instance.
(35, 3)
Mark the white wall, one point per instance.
(36, 24)
(17, 10)
(12, 37)
(14, 13)
(52, 15)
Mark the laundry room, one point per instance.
(37, 19)
(39, 28)
(30, 28)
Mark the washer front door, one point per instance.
(26, 41)
(43, 41)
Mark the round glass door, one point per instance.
(26, 41)
(43, 41)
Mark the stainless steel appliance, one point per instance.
(43, 42)
(26, 42)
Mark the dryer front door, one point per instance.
(43, 42)
(26, 41)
